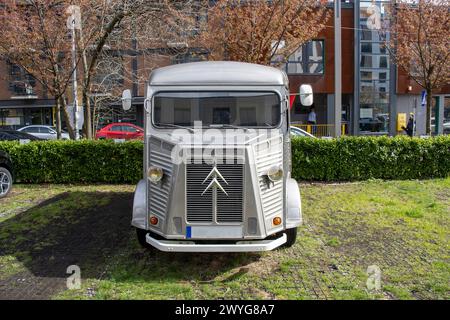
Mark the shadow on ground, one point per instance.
(91, 230)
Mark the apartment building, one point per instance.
(374, 90)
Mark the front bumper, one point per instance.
(240, 246)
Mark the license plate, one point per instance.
(214, 232)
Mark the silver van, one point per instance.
(217, 163)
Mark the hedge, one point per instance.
(361, 158)
(84, 161)
(344, 159)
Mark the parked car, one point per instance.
(6, 174)
(44, 132)
(11, 135)
(446, 127)
(297, 132)
(125, 131)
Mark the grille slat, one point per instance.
(268, 154)
(228, 208)
(159, 194)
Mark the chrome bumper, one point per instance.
(240, 246)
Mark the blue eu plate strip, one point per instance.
(188, 232)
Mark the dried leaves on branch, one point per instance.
(420, 43)
(260, 31)
(35, 37)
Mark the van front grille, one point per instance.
(214, 205)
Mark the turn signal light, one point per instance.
(276, 221)
(153, 220)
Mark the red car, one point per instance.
(125, 131)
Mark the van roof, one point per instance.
(217, 73)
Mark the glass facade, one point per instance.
(373, 69)
(307, 59)
(446, 122)
(18, 117)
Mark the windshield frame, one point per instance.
(165, 127)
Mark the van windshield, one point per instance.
(221, 109)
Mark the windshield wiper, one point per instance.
(177, 126)
(226, 125)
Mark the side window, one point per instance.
(116, 128)
(32, 130)
(130, 129)
(44, 130)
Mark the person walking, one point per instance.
(410, 126)
(312, 120)
(312, 117)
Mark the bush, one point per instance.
(76, 161)
(345, 159)
(361, 158)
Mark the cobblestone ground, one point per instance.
(400, 228)
(66, 228)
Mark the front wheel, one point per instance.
(141, 234)
(291, 237)
(6, 182)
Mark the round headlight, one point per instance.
(275, 173)
(155, 174)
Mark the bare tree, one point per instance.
(125, 28)
(420, 45)
(260, 31)
(35, 37)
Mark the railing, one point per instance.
(320, 130)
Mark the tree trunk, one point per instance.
(429, 107)
(88, 68)
(58, 119)
(86, 102)
(87, 115)
(67, 118)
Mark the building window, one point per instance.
(374, 77)
(190, 56)
(307, 59)
(21, 83)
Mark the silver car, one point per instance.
(297, 132)
(44, 132)
(217, 159)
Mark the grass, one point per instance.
(401, 227)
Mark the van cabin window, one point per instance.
(246, 109)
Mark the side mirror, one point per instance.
(126, 100)
(306, 95)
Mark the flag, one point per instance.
(291, 100)
(424, 98)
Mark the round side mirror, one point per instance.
(306, 95)
(126, 100)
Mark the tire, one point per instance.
(6, 182)
(141, 234)
(291, 237)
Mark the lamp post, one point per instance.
(74, 81)
(337, 69)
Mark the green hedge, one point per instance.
(361, 158)
(345, 159)
(76, 161)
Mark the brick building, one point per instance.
(374, 91)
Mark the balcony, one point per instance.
(22, 90)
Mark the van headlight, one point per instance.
(275, 173)
(155, 174)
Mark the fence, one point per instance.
(320, 130)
